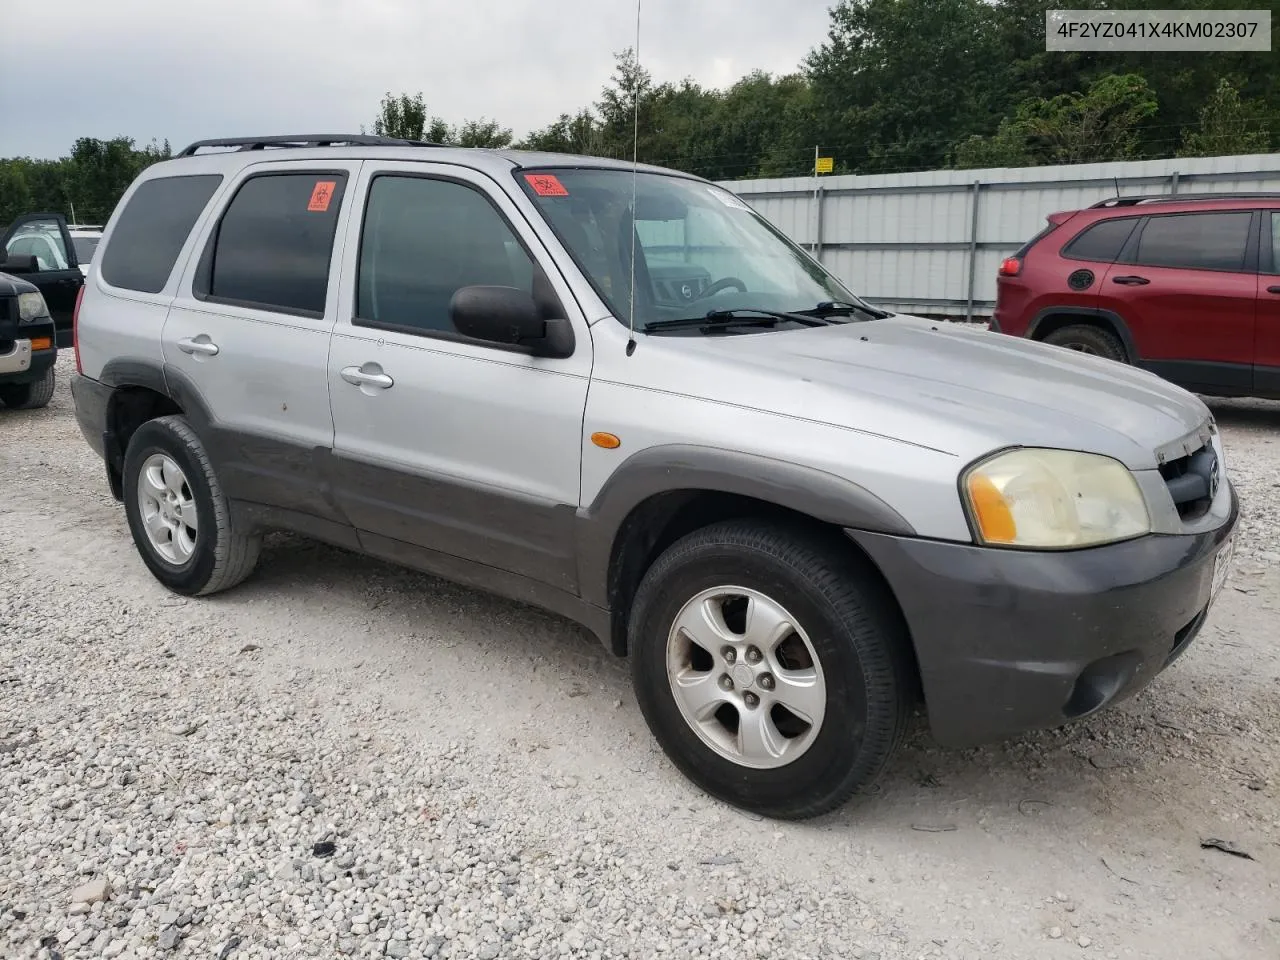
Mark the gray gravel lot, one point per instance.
(343, 758)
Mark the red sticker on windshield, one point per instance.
(321, 196)
(546, 185)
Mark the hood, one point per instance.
(946, 386)
(11, 286)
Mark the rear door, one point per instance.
(1186, 284)
(45, 237)
(248, 332)
(1266, 361)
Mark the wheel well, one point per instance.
(1053, 322)
(130, 408)
(661, 520)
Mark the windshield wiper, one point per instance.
(828, 308)
(736, 317)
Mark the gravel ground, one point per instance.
(343, 758)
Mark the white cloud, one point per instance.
(191, 69)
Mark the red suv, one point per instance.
(1186, 286)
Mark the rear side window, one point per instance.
(1102, 241)
(273, 246)
(1204, 241)
(1047, 229)
(151, 230)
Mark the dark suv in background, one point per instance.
(41, 248)
(1185, 286)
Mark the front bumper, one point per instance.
(20, 364)
(1011, 640)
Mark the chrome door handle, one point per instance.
(360, 378)
(197, 345)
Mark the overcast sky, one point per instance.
(190, 69)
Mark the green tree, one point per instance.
(899, 81)
(1228, 125)
(15, 191)
(99, 171)
(1104, 123)
(481, 133)
(403, 117)
(579, 134)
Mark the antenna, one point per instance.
(635, 163)
(1117, 183)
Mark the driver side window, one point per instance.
(41, 239)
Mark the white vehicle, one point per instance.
(85, 239)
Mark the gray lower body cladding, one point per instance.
(1010, 641)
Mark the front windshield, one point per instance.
(698, 248)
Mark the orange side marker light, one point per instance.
(606, 440)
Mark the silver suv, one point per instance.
(622, 395)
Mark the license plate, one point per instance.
(1222, 567)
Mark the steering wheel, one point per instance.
(724, 283)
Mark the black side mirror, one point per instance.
(20, 265)
(510, 316)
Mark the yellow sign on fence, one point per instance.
(824, 164)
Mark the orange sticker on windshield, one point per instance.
(546, 185)
(321, 196)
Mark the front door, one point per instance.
(466, 449)
(58, 277)
(248, 332)
(1187, 290)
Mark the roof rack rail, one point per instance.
(303, 140)
(1179, 197)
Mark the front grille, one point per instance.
(1192, 481)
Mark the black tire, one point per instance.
(841, 603)
(1087, 338)
(29, 396)
(222, 556)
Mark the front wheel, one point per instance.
(771, 665)
(29, 396)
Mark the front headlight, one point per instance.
(1053, 500)
(31, 306)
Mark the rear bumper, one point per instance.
(91, 400)
(1011, 641)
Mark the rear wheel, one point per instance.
(178, 515)
(1089, 339)
(29, 396)
(770, 664)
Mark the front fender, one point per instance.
(684, 467)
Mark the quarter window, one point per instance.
(1103, 241)
(152, 229)
(423, 240)
(275, 242)
(1205, 241)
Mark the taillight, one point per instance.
(75, 329)
(1010, 266)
